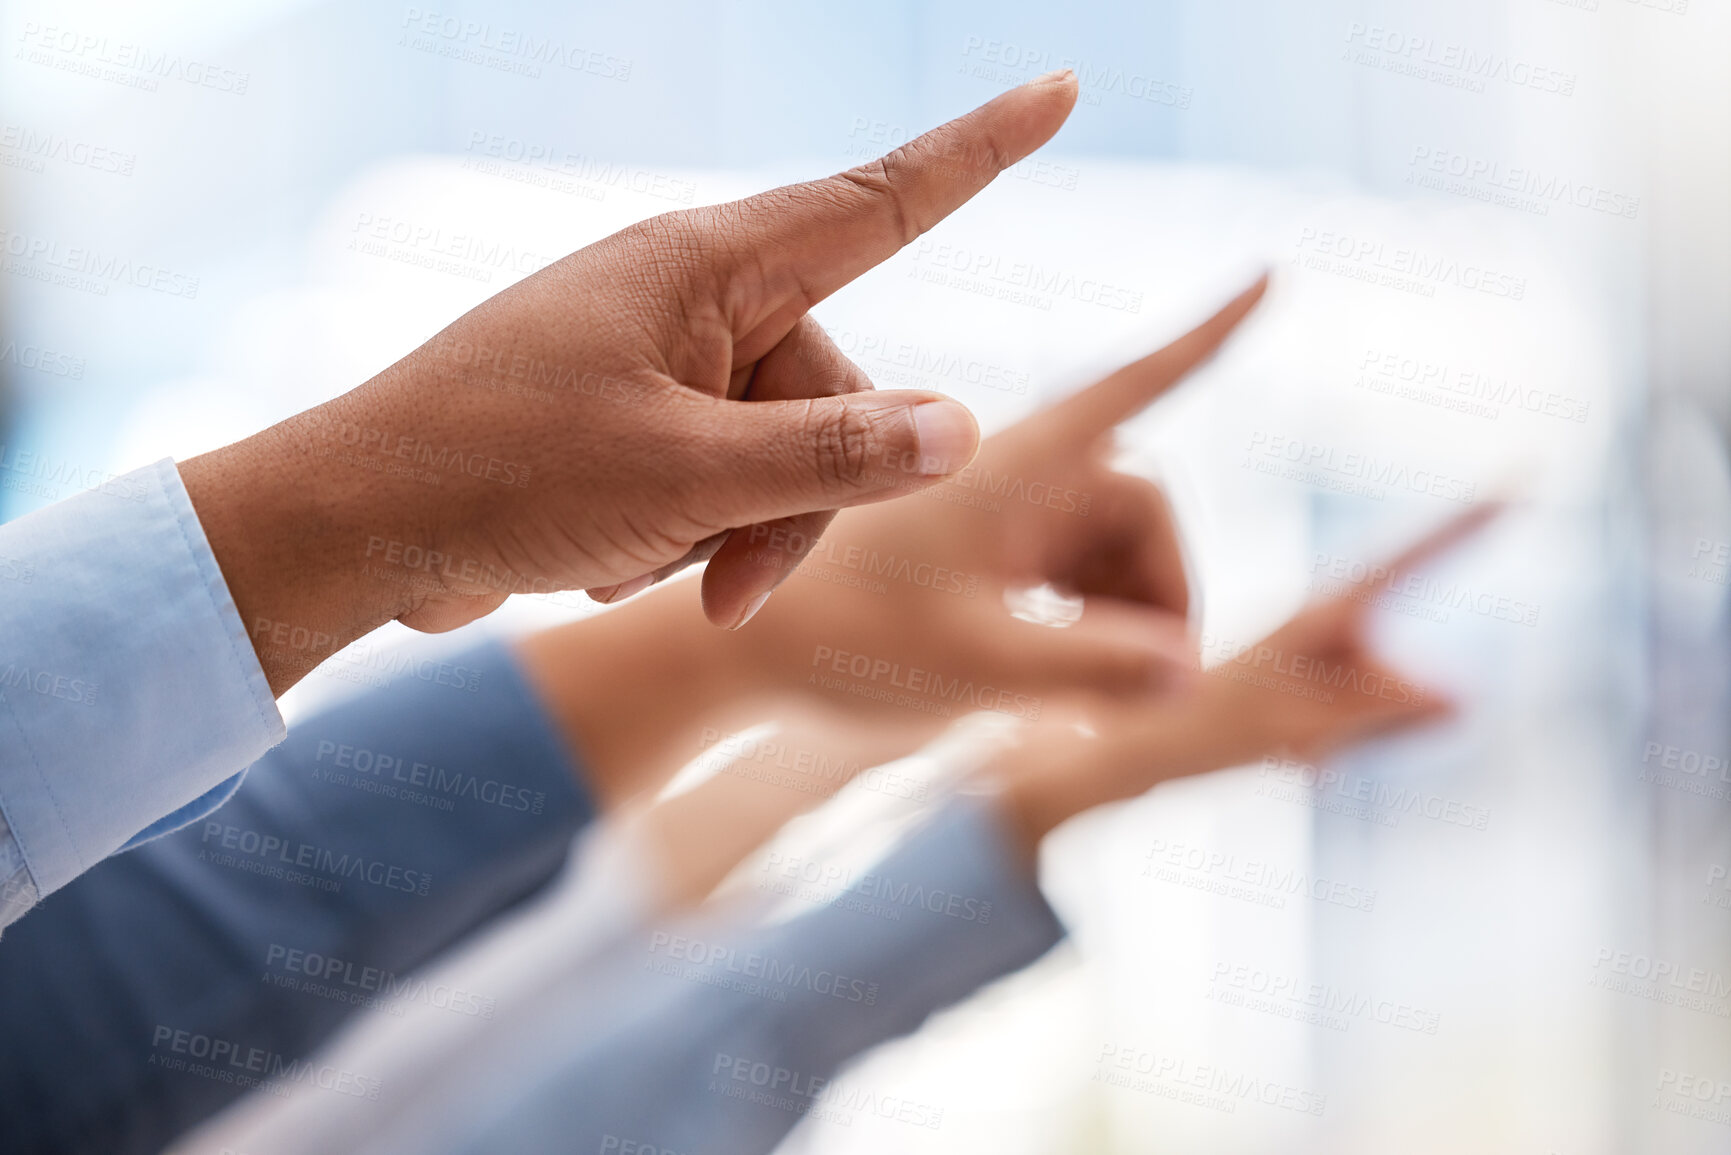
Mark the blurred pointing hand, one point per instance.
(1313, 686)
(1106, 536)
(690, 396)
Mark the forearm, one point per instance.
(655, 1045)
(756, 784)
(1055, 772)
(635, 690)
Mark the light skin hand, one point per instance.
(1311, 687)
(1078, 525)
(1054, 769)
(615, 416)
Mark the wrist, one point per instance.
(1059, 772)
(291, 535)
(1040, 783)
(634, 691)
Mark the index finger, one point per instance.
(1444, 536)
(1127, 391)
(1341, 615)
(822, 234)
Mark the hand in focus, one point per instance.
(598, 412)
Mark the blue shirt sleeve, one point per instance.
(705, 1038)
(130, 696)
(380, 832)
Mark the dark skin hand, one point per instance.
(611, 418)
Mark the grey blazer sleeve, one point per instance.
(165, 982)
(709, 1041)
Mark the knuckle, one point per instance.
(676, 242)
(1130, 670)
(882, 182)
(841, 440)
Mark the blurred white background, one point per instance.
(215, 216)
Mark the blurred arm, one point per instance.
(666, 1045)
(376, 835)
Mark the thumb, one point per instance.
(792, 462)
(784, 458)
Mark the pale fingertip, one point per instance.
(750, 611)
(633, 587)
(948, 437)
(609, 595)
